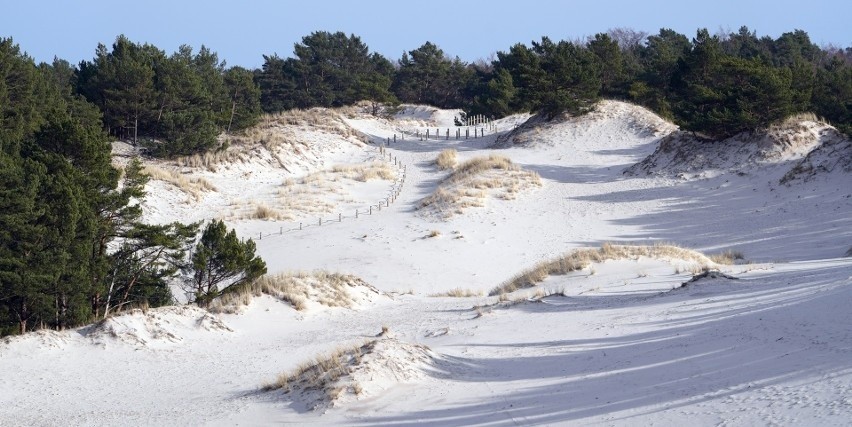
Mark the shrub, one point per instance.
(447, 159)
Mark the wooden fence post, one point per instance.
(260, 236)
(320, 222)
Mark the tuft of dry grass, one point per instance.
(582, 258)
(459, 293)
(794, 122)
(211, 159)
(323, 372)
(297, 289)
(365, 172)
(433, 233)
(447, 159)
(471, 182)
(727, 257)
(193, 187)
(347, 370)
(262, 211)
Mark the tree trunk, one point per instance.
(22, 318)
(137, 274)
(109, 294)
(63, 312)
(231, 120)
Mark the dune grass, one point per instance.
(296, 289)
(459, 293)
(192, 186)
(323, 372)
(579, 259)
(447, 159)
(472, 182)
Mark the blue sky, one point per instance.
(241, 32)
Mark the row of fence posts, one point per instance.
(482, 121)
(386, 202)
(477, 133)
(480, 124)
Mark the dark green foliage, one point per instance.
(549, 78)
(244, 96)
(60, 206)
(427, 76)
(832, 95)
(177, 104)
(276, 83)
(496, 97)
(569, 80)
(711, 85)
(222, 262)
(19, 107)
(611, 62)
(659, 60)
(328, 70)
(721, 96)
(149, 254)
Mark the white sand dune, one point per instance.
(794, 148)
(619, 342)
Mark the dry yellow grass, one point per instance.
(795, 130)
(366, 172)
(470, 184)
(727, 257)
(447, 159)
(347, 370)
(323, 372)
(581, 258)
(459, 293)
(317, 193)
(192, 186)
(262, 211)
(279, 132)
(328, 289)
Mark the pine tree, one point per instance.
(148, 255)
(244, 97)
(221, 262)
(611, 64)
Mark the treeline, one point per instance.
(716, 85)
(72, 246)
